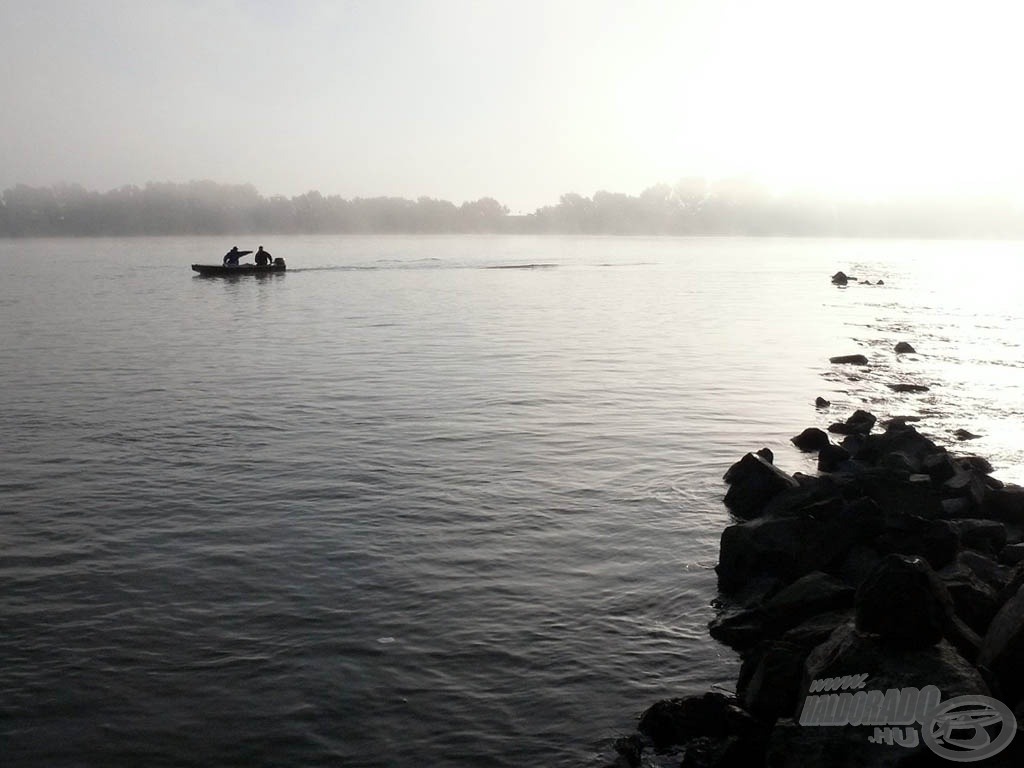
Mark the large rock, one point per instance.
(939, 466)
(974, 601)
(859, 563)
(859, 423)
(976, 463)
(895, 490)
(753, 482)
(904, 534)
(1006, 504)
(740, 629)
(851, 653)
(989, 571)
(816, 492)
(743, 628)
(812, 594)
(969, 485)
(1012, 554)
(985, 536)
(897, 437)
(904, 603)
(832, 457)
(811, 439)
(783, 547)
(769, 681)
(677, 721)
(840, 278)
(1002, 650)
(904, 348)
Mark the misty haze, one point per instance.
(690, 207)
(550, 383)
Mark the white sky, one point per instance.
(519, 100)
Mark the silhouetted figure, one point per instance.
(263, 258)
(231, 257)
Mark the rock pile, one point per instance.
(898, 569)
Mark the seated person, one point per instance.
(231, 257)
(262, 257)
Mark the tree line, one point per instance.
(689, 207)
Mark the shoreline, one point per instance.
(861, 600)
(899, 563)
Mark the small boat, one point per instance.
(220, 270)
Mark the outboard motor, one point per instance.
(278, 262)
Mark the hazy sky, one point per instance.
(519, 100)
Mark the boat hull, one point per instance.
(217, 270)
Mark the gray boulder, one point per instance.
(1012, 554)
(859, 423)
(769, 680)
(808, 596)
(904, 603)
(783, 547)
(1006, 504)
(974, 601)
(831, 457)
(851, 653)
(1002, 650)
(753, 482)
(985, 536)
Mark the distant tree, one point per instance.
(691, 206)
(483, 215)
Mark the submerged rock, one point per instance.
(678, 721)
(811, 439)
(849, 359)
(901, 387)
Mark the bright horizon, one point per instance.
(520, 101)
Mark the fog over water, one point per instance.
(522, 102)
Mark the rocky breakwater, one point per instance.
(862, 600)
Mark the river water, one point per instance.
(400, 507)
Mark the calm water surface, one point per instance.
(395, 507)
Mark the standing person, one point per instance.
(262, 257)
(231, 257)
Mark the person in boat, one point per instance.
(263, 258)
(231, 257)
